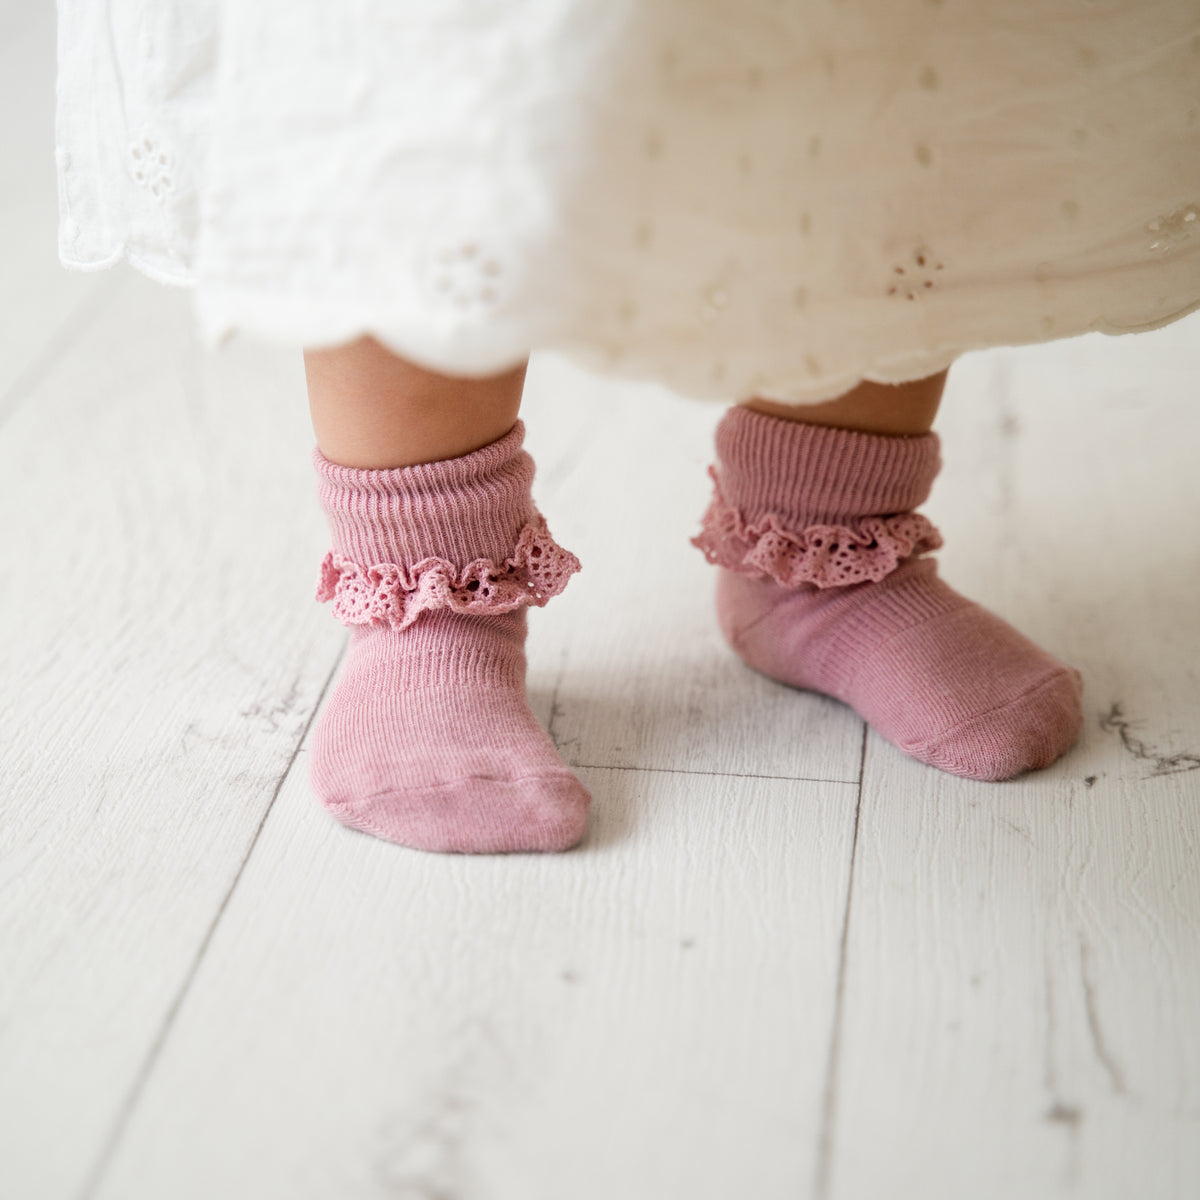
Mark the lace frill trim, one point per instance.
(822, 555)
(396, 595)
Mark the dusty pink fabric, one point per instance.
(823, 586)
(428, 739)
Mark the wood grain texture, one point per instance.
(1023, 960)
(646, 1016)
(160, 657)
(1023, 976)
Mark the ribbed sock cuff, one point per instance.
(460, 509)
(809, 474)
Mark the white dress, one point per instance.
(732, 197)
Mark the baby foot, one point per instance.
(823, 585)
(428, 739)
(937, 675)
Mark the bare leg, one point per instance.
(374, 410)
(905, 408)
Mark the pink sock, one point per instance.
(428, 739)
(823, 587)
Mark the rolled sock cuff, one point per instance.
(460, 534)
(459, 509)
(812, 475)
(808, 506)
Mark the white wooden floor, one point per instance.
(786, 963)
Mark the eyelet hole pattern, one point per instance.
(466, 276)
(919, 275)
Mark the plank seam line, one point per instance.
(829, 1094)
(95, 1177)
(715, 774)
(75, 323)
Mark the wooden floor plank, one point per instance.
(160, 658)
(1023, 978)
(1023, 967)
(646, 1016)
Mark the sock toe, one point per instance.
(476, 815)
(461, 767)
(1026, 734)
